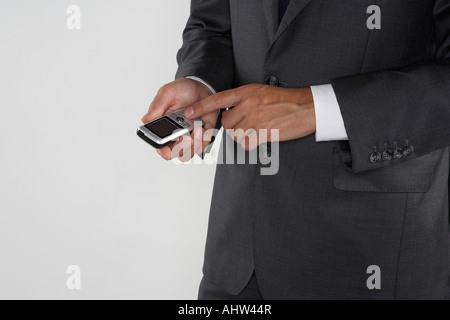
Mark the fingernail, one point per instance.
(189, 112)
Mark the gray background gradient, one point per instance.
(77, 187)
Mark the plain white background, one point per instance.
(77, 187)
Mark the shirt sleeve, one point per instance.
(202, 81)
(329, 121)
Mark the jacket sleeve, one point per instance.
(207, 51)
(392, 116)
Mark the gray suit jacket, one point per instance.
(334, 208)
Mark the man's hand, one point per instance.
(257, 107)
(173, 97)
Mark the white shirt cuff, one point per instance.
(329, 121)
(201, 81)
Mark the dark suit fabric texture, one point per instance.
(334, 208)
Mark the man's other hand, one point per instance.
(258, 107)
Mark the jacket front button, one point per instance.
(273, 81)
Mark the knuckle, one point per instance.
(166, 89)
(247, 88)
(217, 100)
(253, 101)
(263, 89)
(266, 99)
(162, 89)
(198, 108)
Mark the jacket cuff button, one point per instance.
(408, 150)
(375, 157)
(398, 152)
(387, 155)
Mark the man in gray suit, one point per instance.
(363, 112)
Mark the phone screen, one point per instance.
(163, 127)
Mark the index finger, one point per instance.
(222, 100)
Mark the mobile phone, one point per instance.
(167, 129)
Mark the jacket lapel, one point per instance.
(271, 7)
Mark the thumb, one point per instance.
(158, 107)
